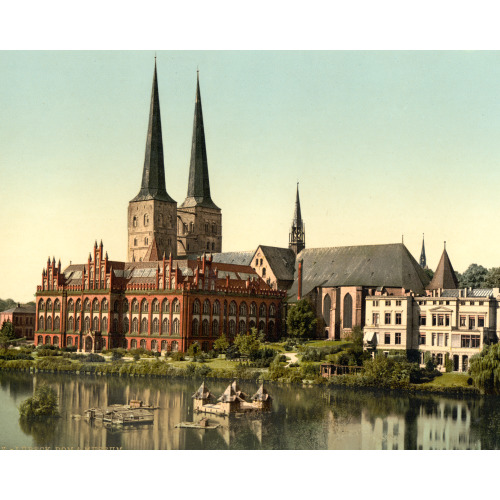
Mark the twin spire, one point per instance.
(153, 176)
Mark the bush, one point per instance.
(94, 358)
(48, 352)
(42, 403)
(177, 356)
(116, 355)
(71, 348)
(193, 349)
(136, 356)
(9, 354)
(232, 352)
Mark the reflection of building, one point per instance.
(446, 322)
(22, 319)
(161, 305)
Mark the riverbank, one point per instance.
(222, 369)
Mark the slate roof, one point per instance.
(281, 261)
(229, 395)
(153, 254)
(203, 393)
(23, 309)
(198, 184)
(389, 265)
(238, 258)
(153, 174)
(444, 277)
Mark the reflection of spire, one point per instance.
(423, 260)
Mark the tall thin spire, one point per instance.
(153, 174)
(423, 260)
(198, 185)
(297, 238)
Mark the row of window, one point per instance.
(135, 220)
(442, 340)
(388, 303)
(143, 306)
(18, 320)
(397, 338)
(388, 318)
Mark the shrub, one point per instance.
(232, 352)
(193, 349)
(136, 356)
(94, 358)
(48, 352)
(309, 371)
(42, 403)
(177, 356)
(71, 348)
(116, 355)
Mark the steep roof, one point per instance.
(444, 277)
(229, 395)
(203, 393)
(153, 174)
(153, 253)
(198, 184)
(281, 261)
(389, 265)
(297, 215)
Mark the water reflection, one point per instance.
(301, 418)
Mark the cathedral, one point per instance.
(156, 225)
(169, 294)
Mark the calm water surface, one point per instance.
(301, 418)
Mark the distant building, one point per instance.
(22, 319)
(449, 323)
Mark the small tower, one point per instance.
(202, 397)
(423, 260)
(297, 238)
(444, 277)
(152, 214)
(262, 400)
(200, 220)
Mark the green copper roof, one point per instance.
(153, 174)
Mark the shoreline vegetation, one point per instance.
(289, 362)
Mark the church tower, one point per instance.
(297, 239)
(152, 213)
(199, 224)
(423, 260)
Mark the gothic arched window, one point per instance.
(49, 323)
(215, 328)
(232, 308)
(144, 325)
(57, 323)
(253, 309)
(262, 310)
(272, 310)
(144, 306)
(216, 308)
(125, 325)
(195, 328)
(196, 307)
(204, 328)
(243, 327)
(348, 311)
(206, 307)
(156, 306)
(243, 309)
(40, 323)
(176, 306)
(156, 325)
(175, 327)
(166, 306)
(164, 326)
(135, 325)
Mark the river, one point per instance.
(301, 418)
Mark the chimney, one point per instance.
(299, 280)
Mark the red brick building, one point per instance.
(160, 305)
(22, 318)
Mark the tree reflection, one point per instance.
(43, 429)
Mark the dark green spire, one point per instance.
(153, 174)
(423, 260)
(198, 185)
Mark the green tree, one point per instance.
(430, 273)
(301, 320)
(42, 404)
(492, 278)
(485, 369)
(221, 344)
(474, 276)
(7, 334)
(249, 343)
(193, 349)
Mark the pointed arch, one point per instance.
(347, 322)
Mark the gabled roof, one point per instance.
(229, 395)
(389, 265)
(203, 393)
(281, 261)
(444, 277)
(22, 309)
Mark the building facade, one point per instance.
(165, 305)
(22, 319)
(156, 226)
(449, 323)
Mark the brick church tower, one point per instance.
(297, 238)
(199, 224)
(152, 213)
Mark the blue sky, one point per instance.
(383, 144)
